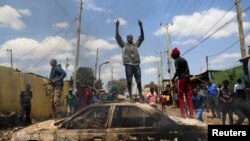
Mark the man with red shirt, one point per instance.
(184, 84)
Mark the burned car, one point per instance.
(113, 121)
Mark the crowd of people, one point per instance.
(190, 99)
(194, 100)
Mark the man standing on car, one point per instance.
(131, 58)
(56, 77)
(184, 84)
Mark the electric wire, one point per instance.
(28, 52)
(51, 49)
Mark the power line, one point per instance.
(217, 22)
(225, 49)
(195, 7)
(91, 22)
(213, 32)
(177, 3)
(200, 20)
(183, 4)
(51, 50)
(28, 52)
(63, 9)
(203, 40)
(165, 13)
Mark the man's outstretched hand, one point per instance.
(139, 22)
(117, 23)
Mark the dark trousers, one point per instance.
(226, 108)
(163, 106)
(25, 110)
(242, 110)
(214, 105)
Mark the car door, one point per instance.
(132, 123)
(90, 124)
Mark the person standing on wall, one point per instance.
(184, 84)
(56, 77)
(131, 58)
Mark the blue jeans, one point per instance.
(198, 114)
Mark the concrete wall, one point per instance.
(13, 82)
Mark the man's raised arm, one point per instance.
(117, 35)
(141, 37)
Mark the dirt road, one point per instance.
(207, 116)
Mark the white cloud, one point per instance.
(121, 20)
(223, 57)
(150, 70)
(90, 5)
(24, 12)
(200, 22)
(49, 46)
(35, 55)
(217, 67)
(186, 42)
(99, 43)
(61, 25)
(247, 39)
(149, 59)
(117, 57)
(160, 31)
(11, 18)
(91, 44)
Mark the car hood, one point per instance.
(35, 131)
(49, 124)
(187, 121)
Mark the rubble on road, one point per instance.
(8, 125)
(8, 120)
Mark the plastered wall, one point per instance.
(12, 82)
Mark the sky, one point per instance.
(39, 30)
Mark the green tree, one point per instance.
(85, 76)
(121, 85)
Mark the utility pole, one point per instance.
(208, 74)
(168, 50)
(112, 74)
(67, 66)
(161, 71)
(78, 44)
(207, 62)
(11, 60)
(241, 32)
(158, 76)
(96, 64)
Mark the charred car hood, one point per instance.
(187, 124)
(187, 121)
(40, 131)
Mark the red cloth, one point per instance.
(185, 87)
(87, 95)
(175, 52)
(163, 99)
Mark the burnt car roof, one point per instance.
(155, 112)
